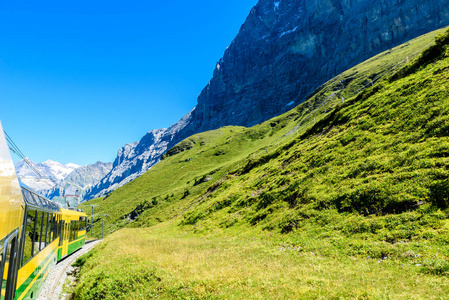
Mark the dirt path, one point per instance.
(53, 284)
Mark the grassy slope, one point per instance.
(359, 192)
(166, 183)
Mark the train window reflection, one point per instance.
(38, 233)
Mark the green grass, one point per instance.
(332, 200)
(165, 263)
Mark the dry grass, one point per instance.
(188, 266)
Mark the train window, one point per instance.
(72, 230)
(61, 232)
(27, 195)
(45, 230)
(69, 231)
(29, 236)
(49, 227)
(38, 233)
(60, 227)
(82, 223)
(77, 227)
(42, 201)
(57, 227)
(53, 227)
(35, 199)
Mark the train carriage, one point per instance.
(75, 232)
(39, 245)
(35, 233)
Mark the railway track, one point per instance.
(54, 283)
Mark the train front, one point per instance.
(12, 207)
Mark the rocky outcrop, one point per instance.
(287, 49)
(135, 159)
(282, 53)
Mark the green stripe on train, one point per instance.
(59, 253)
(38, 283)
(75, 245)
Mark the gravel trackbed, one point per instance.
(55, 281)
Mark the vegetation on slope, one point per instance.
(358, 190)
(201, 161)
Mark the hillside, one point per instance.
(345, 196)
(283, 52)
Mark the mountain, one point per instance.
(78, 181)
(70, 178)
(51, 170)
(282, 53)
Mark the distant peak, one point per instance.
(49, 161)
(73, 166)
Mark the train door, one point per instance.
(8, 266)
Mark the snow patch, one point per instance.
(288, 32)
(276, 5)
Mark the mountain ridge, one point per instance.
(282, 53)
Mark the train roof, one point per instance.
(73, 212)
(36, 200)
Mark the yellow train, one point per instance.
(35, 233)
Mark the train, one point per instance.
(35, 233)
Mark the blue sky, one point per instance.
(79, 79)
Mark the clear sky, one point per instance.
(79, 79)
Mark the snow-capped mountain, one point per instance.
(52, 171)
(283, 52)
(78, 181)
(69, 179)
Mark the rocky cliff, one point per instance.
(282, 53)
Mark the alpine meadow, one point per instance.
(343, 197)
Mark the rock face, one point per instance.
(286, 49)
(282, 53)
(136, 158)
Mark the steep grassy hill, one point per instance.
(344, 196)
(200, 161)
